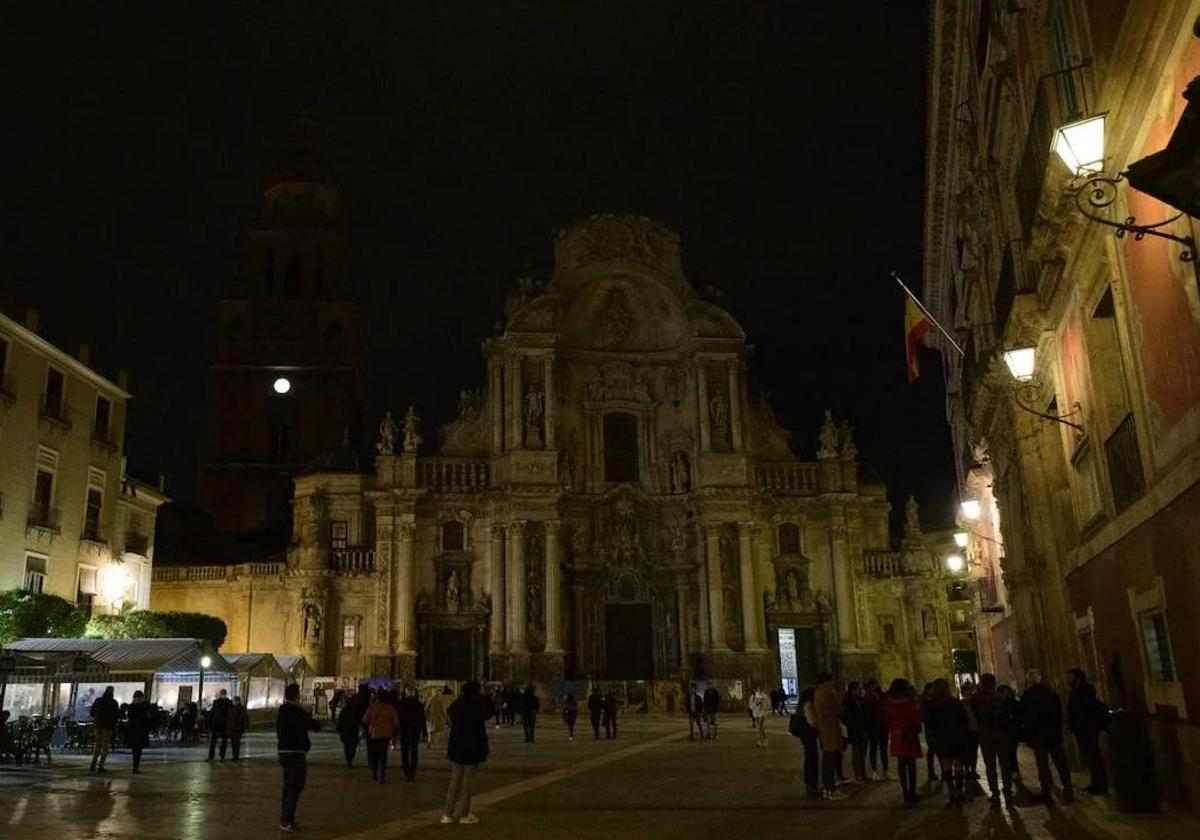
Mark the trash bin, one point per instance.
(1131, 762)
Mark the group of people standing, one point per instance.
(989, 721)
(702, 709)
(388, 717)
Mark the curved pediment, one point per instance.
(624, 312)
(711, 321)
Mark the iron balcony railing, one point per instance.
(43, 517)
(1125, 473)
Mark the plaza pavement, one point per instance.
(650, 783)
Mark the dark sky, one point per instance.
(784, 141)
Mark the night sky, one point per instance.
(785, 144)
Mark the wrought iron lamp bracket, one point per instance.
(1096, 192)
(1026, 392)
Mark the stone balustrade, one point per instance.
(352, 560)
(788, 477)
(883, 564)
(181, 574)
(453, 475)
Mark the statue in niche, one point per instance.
(535, 409)
(624, 534)
(412, 430)
(828, 438)
(615, 321)
(846, 446)
(912, 518)
(387, 435)
(823, 602)
(669, 630)
(681, 473)
(793, 587)
(719, 409)
(312, 621)
(675, 383)
(453, 595)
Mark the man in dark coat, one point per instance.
(996, 717)
(712, 704)
(349, 722)
(412, 730)
(1042, 722)
(530, 706)
(1088, 717)
(292, 725)
(467, 748)
(218, 717)
(877, 732)
(695, 712)
(610, 716)
(139, 718)
(105, 712)
(854, 717)
(595, 706)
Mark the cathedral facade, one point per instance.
(610, 504)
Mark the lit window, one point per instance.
(350, 633)
(35, 574)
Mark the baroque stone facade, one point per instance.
(610, 503)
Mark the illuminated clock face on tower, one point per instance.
(282, 385)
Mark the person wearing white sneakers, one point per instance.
(760, 707)
(467, 748)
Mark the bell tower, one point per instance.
(285, 377)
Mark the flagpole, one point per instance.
(928, 314)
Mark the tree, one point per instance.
(38, 615)
(148, 624)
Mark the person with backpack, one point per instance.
(1087, 717)
(903, 718)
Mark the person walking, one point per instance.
(760, 707)
(946, 726)
(382, 725)
(349, 722)
(236, 724)
(292, 725)
(995, 715)
(854, 717)
(829, 729)
(411, 715)
(467, 748)
(1087, 717)
(971, 756)
(695, 713)
(437, 717)
(609, 708)
(595, 706)
(806, 727)
(1042, 722)
(530, 706)
(217, 716)
(105, 711)
(877, 732)
(902, 716)
(138, 721)
(570, 713)
(712, 705)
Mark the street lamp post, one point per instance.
(205, 662)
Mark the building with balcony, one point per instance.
(612, 503)
(1077, 529)
(72, 523)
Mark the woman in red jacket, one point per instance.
(903, 719)
(382, 725)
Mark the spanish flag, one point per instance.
(916, 324)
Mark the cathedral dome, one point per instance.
(302, 189)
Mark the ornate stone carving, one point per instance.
(619, 381)
(828, 438)
(719, 411)
(846, 447)
(453, 592)
(470, 403)
(312, 621)
(615, 321)
(675, 383)
(534, 411)
(614, 238)
(412, 430)
(681, 473)
(387, 435)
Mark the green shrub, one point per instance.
(147, 624)
(37, 615)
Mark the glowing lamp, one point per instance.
(282, 385)
(961, 539)
(1021, 363)
(955, 563)
(115, 581)
(205, 661)
(971, 510)
(1081, 145)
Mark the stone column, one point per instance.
(735, 408)
(549, 413)
(402, 592)
(516, 587)
(683, 618)
(751, 628)
(553, 590)
(497, 394)
(702, 400)
(843, 593)
(516, 436)
(499, 593)
(716, 591)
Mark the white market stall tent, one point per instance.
(261, 679)
(297, 670)
(168, 670)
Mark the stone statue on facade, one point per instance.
(846, 446)
(453, 594)
(719, 409)
(566, 469)
(681, 473)
(793, 587)
(535, 409)
(912, 519)
(470, 403)
(615, 321)
(312, 621)
(828, 438)
(412, 430)
(387, 435)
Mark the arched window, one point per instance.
(789, 538)
(620, 447)
(293, 281)
(452, 536)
